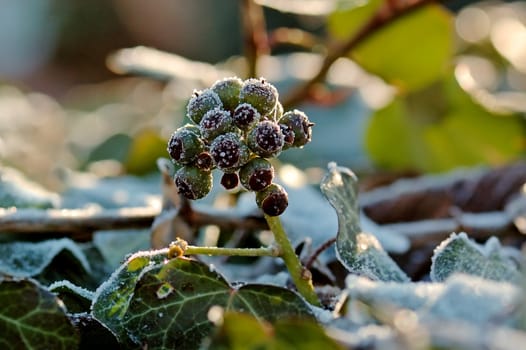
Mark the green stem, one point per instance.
(301, 279)
(263, 251)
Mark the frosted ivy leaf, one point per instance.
(17, 191)
(25, 259)
(360, 252)
(460, 254)
(460, 298)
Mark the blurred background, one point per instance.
(72, 98)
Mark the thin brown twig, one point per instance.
(254, 34)
(382, 17)
(73, 221)
(318, 251)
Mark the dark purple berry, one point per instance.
(230, 180)
(266, 139)
(200, 103)
(214, 123)
(204, 161)
(246, 116)
(296, 125)
(257, 174)
(192, 182)
(185, 144)
(273, 200)
(229, 152)
(260, 94)
(228, 91)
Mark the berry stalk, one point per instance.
(300, 276)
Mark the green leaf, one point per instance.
(147, 146)
(411, 52)
(351, 16)
(170, 305)
(32, 318)
(17, 191)
(358, 251)
(75, 298)
(439, 128)
(459, 254)
(165, 304)
(112, 298)
(47, 261)
(240, 331)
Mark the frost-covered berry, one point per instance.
(230, 180)
(245, 116)
(273, 200)
(257, 174)
(266, 139)
(192, 182)
(296, 128)
(228, 91)
(204, 161)
(200, 103)
(185, 144)
(229, 152)
(216, 122)
(260, 94)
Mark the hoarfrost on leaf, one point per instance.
(25, 259)
(460, 254)
(359, 252)
(463, 298)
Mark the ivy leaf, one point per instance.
(459, 298)
(240, 331)
(359, 252)
(112, 298)
(76, 299)
(46, 261)
(171, 301)
(410, 53)
(165, 303)
(32, 318)
(439, 128)
(350, 17)
(459, 254)
(18, 191)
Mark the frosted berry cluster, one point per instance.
(237, 126)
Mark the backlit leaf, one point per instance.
(242, 331)
(411, 52)
(440, 128)
(358, 251)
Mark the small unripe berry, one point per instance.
(266, 139)
(230, 180)
(229, 152)
(192, 182)
(228, 91)
(200, 103)
(216, 122)
(296, 126)
(260, 94)
(257, 174)
(204, 161)
(185, 144)
(245, 116)
(273, 200)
